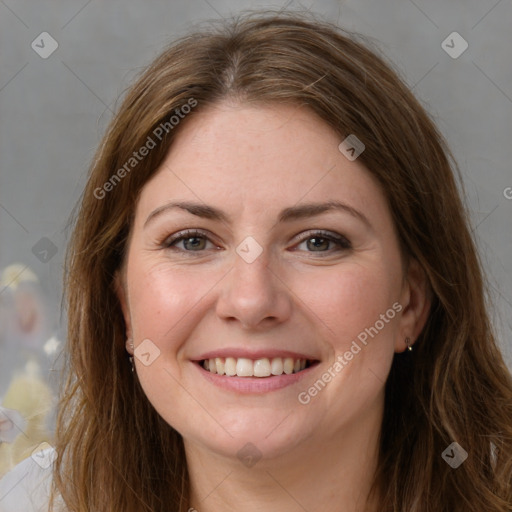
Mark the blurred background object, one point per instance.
(27, 351)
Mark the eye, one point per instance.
(195, 241)
(191, 240)
(322, 239)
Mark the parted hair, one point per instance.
(114, 451)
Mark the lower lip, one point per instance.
(253, 384)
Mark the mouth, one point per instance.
(264, 367)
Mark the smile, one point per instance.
(262, 367)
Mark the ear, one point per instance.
(121, 293)
(416, 301)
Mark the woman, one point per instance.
(260, 374)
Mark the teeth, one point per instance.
(288, 365)
(277, 366)
(230, 366)
(244, 367)
(219, 362)
(262, 368)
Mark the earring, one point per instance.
(129, 343)
(408, 343)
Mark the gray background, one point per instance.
(53, 111)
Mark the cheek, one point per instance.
(348, 300)
(164, 304)
(165, 301)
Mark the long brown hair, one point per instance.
(115, 453)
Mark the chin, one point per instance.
(252, 435)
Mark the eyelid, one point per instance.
(304, 235)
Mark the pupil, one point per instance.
(316, 244)
(187, 241)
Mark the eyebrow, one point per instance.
(287, 215)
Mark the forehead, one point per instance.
(258, 160)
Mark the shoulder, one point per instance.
(27, 486)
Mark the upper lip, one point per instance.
(253, 354)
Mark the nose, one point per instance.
(254, 296)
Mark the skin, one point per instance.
(252, 162)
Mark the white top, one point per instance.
(27, 486)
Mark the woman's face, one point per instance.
(263, 280)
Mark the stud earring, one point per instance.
(408, 343)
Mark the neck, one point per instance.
(324, 473)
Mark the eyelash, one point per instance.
(342, 242)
